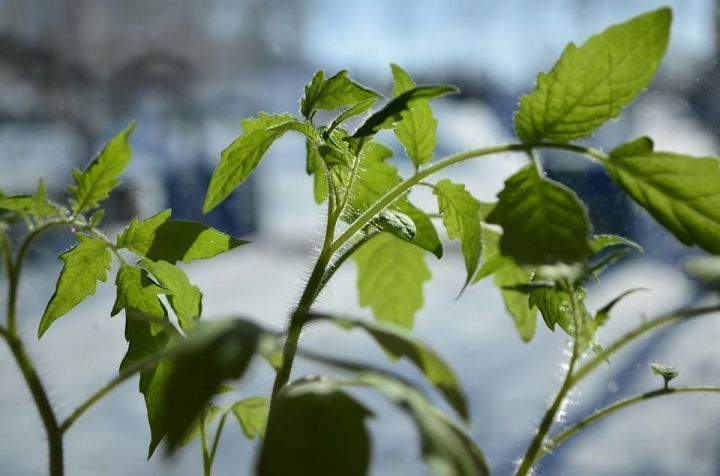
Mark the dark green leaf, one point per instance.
(214, 353)
(185, 299)
(241, 157)
(315, 429)
(416, 130)
(543, 221)
(447, 449)
(680, 191)
(160, 238)
(400, 343)
(83, 266)
(144, 342)
(102, 175)
(386, 117)
(461, 217)
(591, 84)
(252, 414)
(336, 91)
(396, 223)
(391, 273)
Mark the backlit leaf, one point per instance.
(679, 191)
(160, 238)
(94, 184)
(591, 84)
(391, 273)
(251, 414)
(83, 266)
(241, 157)
(185, 299)
(416, 131)
(333, 92)
(461, 217)
(543, 221)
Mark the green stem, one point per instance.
(54, 435)
(536, 445)
(645, 327)
(344, 257)
(122, 376)
(207, 465)
(398, 190)
(558, 439)
(216, 439)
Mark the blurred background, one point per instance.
(74, 72)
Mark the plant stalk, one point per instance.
(561, 437)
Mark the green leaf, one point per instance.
(667, 372)
(396, 223)
(241, 157)
(95, 183)
(303, 127)
(600, 242)
(386, 117)
(391, 273)
(336, 91)
(543, 221)
(591, 84)
(252, 415)
(493, 261)
(417, 128)
(461, 217)
(603, 313)
(447, 448)
(160, 238)
(96, 217)
(185, 299)
(316, 167)
(354, 110)
(213, 353)
(426, 236)
(142, 343)
(83, 266)
(37, 206)
(315, 430)
(135, 290)
(679, 191)
(555, 306)
(400, 343)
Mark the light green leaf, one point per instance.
(493, 260)
(391, 273)
(316, 167)
(417, 128)
(303, 127)
(215, 352)
(679, 191)
(160, 238)
(331, 93)
(386, 117)
(543, 221)
(426, 236)
(354, 110)
(555, 306)
(252, 414)
(398, 342)
(135, 290)
(241, 157)
(461, 217)
(36, 206)
(446, 447)
(144, 342)
(591, 84)
(102, 175)
(316, 429)
(185, 299)
(83, 266)
(600, 242)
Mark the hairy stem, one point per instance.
(40, 397)
(344, 257)
(561, 437)
(536, 445)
